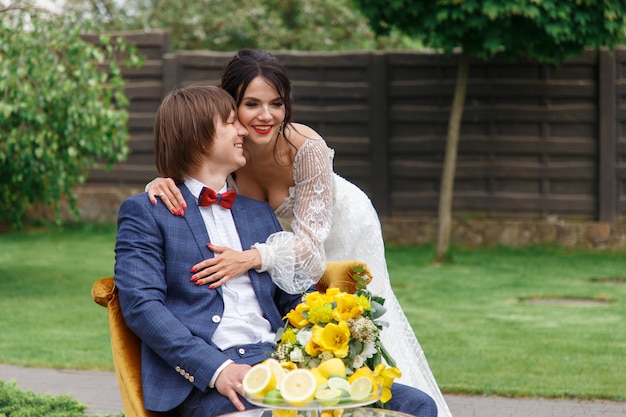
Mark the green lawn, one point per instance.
(488, 321)
(48, 316)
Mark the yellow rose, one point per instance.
(315, 299)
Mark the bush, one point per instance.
(62, 110)
(17, 403)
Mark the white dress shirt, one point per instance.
(243, 321)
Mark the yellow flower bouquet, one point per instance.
(338, 325)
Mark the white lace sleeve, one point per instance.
(297, 260)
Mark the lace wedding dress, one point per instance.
(332, 219)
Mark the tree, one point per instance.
(547, 30)
(61, 113)
(221, 25)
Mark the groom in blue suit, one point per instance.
(197, 343)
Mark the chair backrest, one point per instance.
(341, 274)
(126, 346)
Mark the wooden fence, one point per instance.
(537, 141)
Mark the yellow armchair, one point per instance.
(126, 346)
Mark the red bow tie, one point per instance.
(209, 196)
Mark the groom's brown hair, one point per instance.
(184, 129)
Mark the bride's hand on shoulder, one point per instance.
(224, 266)
(166, 190)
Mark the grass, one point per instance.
(478, 318)
(48, 316)
(482, 335)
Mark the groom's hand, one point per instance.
(228, 383)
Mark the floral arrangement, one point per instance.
(337, 324)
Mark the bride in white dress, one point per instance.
(356, 233)
(324, 217)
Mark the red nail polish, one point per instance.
(193, 278)
(211, 286)
(174, 212)
(194, 269)
(184, 206)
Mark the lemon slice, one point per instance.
(361, 389)
(276, 368)
(363, 371)
(328, 396)
(298, 387)
(339, 383)
(259, 380)
(342, 385)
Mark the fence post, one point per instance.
(170, 73)
(379, 133)
(607, 144)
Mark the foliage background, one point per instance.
(547, 30)
(226, 25)
(62, 110)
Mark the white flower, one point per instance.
(369, 350)
(303, 336)
(296, 355)
(358, 361)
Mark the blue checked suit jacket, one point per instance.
(174, 318)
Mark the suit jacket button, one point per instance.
(242, 351)
(216, 319)
(191, 379)
(177, 368)
(186, 375)
(182, 372)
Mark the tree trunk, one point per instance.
(449, 164)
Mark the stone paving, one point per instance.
(98, 390)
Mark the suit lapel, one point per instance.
(196, 223)
(242, 223)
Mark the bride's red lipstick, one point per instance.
(262, 129)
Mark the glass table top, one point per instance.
(347, 412)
